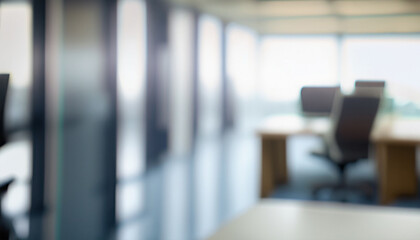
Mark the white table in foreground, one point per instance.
(294, 220)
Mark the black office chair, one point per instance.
(6, 229)
(5, 226)
(348, 140)
(373, 87)
(317, 101)
(370, 83)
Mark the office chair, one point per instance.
(5, 226)
(376, 87)
(370, 83)
(317, 101)
(6, 229)
(348, 139)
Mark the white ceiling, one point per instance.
(312, 17)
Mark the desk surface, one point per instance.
(285, 125)
(389, 129)
(294, 220)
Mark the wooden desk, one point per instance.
(274, 132)
(395, 140)
(294, 220)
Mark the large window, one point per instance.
(290, 62)
(391, 58)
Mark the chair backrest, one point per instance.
(370, 83)
(317, 100)
(352, 121)
(4, 84)
(376, 87)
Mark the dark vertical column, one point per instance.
(195, 80)
(38, 106)
(38, 118)
(86, 158)
(192, 223)
(110, 50)
(339, 39)
(227, 98)
(156, 105)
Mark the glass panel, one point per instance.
(131, 79)
(181, 53)
(131, 97)
(242, 66)
(209, 70)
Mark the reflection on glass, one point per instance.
(131, 78)
(242, 66)
(181, 53)
(130, 82)
(209, 68)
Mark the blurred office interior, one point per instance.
(138, 119)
